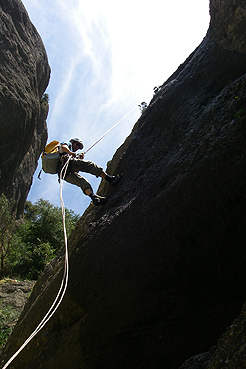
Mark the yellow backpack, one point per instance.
(50, 157)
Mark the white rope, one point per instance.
(110, 130)
(63, 287)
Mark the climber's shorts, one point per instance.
(76, 179)
(76, 165)
(79, 165)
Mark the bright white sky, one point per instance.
(106, 57)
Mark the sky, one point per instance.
(106, 57)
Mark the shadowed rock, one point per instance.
(24, 76)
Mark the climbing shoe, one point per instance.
(116, 180)
(98, 200)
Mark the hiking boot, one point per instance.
(99, 200)
(116, 180)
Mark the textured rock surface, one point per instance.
(158, 273)
(228, 24)
(13, 296)
(231, 351)
(24, 76)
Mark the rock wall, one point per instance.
(228, 24)
(158, 273)
(24, 76)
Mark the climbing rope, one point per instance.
(64, 283)
(110, 130)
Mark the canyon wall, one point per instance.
(158, 273)
(24, 76)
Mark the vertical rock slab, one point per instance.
(24, 76)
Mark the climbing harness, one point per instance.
(64, 282)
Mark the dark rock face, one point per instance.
(158, 273)
(24, 76)
(228, 24)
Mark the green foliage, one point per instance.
(4, 333)
(4, 328)
(13, 294)
(7, 317)
(29, 259)
(37, 240)
(7, 229)
(143, 106)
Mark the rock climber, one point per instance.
(77, 164)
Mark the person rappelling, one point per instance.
(55, 157)
(78, 164)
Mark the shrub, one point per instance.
(26, 249)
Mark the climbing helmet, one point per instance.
(77, 140)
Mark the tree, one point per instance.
(43, 223)
(28, 244)
(41, 234)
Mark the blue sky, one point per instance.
(106, 57)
